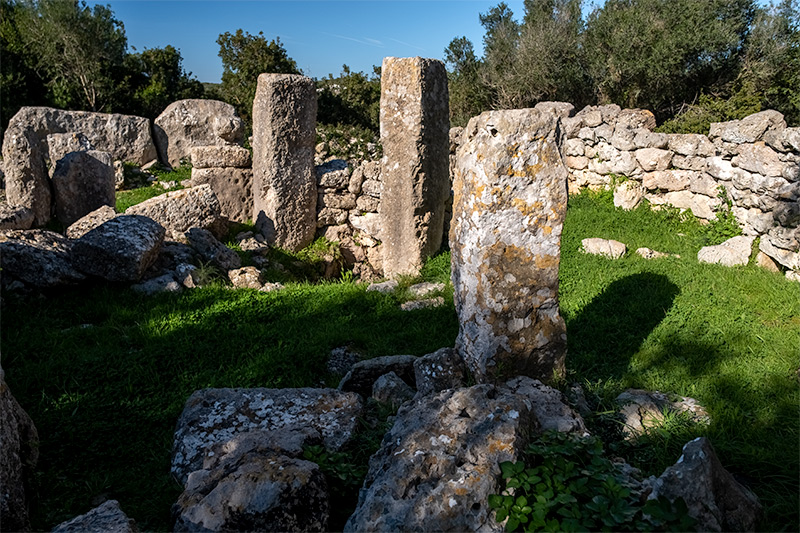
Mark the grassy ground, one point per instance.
(105, 372)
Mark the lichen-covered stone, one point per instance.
(415, 128)
(106, 518)
(220, 156)
(211, 250)
(37, 257)
(82, 182)
(61, 144)
(88, 222)
(508, 212)
(119, 249)
(284, 184)
(233, 188)
(438, 371)
(213, 416)
(178, 211)
(364, 373)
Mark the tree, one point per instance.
(468, 94)
(500, 57)
(351, 98)
(244, 57)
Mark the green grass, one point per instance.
(104, 372)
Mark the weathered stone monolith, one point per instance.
(415, 127)
(284, 183)
(510, 201)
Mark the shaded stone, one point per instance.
(549, 406)
(61, 144)
(284, 184)
(15, 217)
(735, 251)
(82, 182)
(767, 263)
(179, 211)
(770, 246)
(107, 518)
(606, 247)
(642, 410)
(508, 212)
(415, 126)
(88, 222)
(19, 453)
(233, 188)
(440, 461)
(385, 287)
(163, 283)
(211, 250)
(37, 257)
(220, 156)
(119, 249)
(415, 305)
(713, 496)
(248, 277)
(362, 376)
(188, 123)
(342, 359)
(420, 290)
(438, 371)
(389, 388)
(215, 416)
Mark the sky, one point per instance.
(320, 35)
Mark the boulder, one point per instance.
(248, 277)
(441, 460)
(415, 128)
(713, 496)
(248, 485)
(642, 410)
(438, 371)
(628, 195)
(107, 518)
(82, 182)
(748, 130)
(194, 122)
(233, 188)
(119, 249)
(61, 144)
(163, 283)
(19, 452)
(735, 251)
(211, 250)
(39, 258)
(215, 416)
(224, 156)
(509, 206)
(606, 247)
(284, 184)
(390, 389)
(88, 222)
(363, 374)
(179, 211)
(15, 217)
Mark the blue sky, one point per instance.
(320, 36)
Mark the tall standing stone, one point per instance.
(284, 183)
(510, 201)
(415, 127)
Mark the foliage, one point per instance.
(349, 142)
(352, 98)
(468, 95)
(697, 118)
(724, 226)
(564, 483)
(244, 57)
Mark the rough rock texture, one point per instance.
(229, 155)
(211, 250)
(233, 188)
(415, 134)
(120, 249)
(414, 305)
(248, 277)
(19, 451)
(214, 416)
(734, 251)
(82, 182)
(284, 183)
(163, 283)
(440, 461)
(25, 149)
(714, 498)
(438, 371)
(508, 211)
(389, 388)
(384, 287)
(38, 257)
(648, 253)
(788, 259)
(178, 211)
(364, 373)
(107, 518)
(15, 217)
(88, 222)
(188, 123)
(628, 195)
(248, 485)
(60, 144)
(605, 247)
(641, 409)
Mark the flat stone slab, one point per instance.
(38, 257)
(606, 247)
(106, 518)
(364, 373)
(733, 252)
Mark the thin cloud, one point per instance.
(376, 42)
(407, 44)
(368, 42)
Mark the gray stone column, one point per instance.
(284, 185)
(415, 126)
(510, 201)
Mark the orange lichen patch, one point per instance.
(547, 230)
(546, 261)
(497, 446)
(461, 491)
(525, 208)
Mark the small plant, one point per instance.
(564, 483)
(724, 226)
(336, 466)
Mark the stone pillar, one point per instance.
(284, 135)
(415, 126)
(510, 201)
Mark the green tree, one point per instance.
(351, 98)
(499, 65)
(469, 96)
(244, 57)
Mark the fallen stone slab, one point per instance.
(390, 389)
(438, 371)
(40, 258)
(211, 250)
(107, 518)
(88, 222)
(213, 416)
(735, 251)
(385, 287)
(415, 305)
(15, 217)
(120, 249)
(364, 373)
(179, 211)
(641, 410)
(82, 182)
(606, 247)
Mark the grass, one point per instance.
(104, 372)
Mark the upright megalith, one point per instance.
(284, 183)
(415, 128)
(510, 200)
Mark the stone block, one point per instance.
(220, 156)
(82, 182)
(233, 188)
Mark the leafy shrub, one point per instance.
(351, 99)
(571, 486)
(724, 226)
(349, 142)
